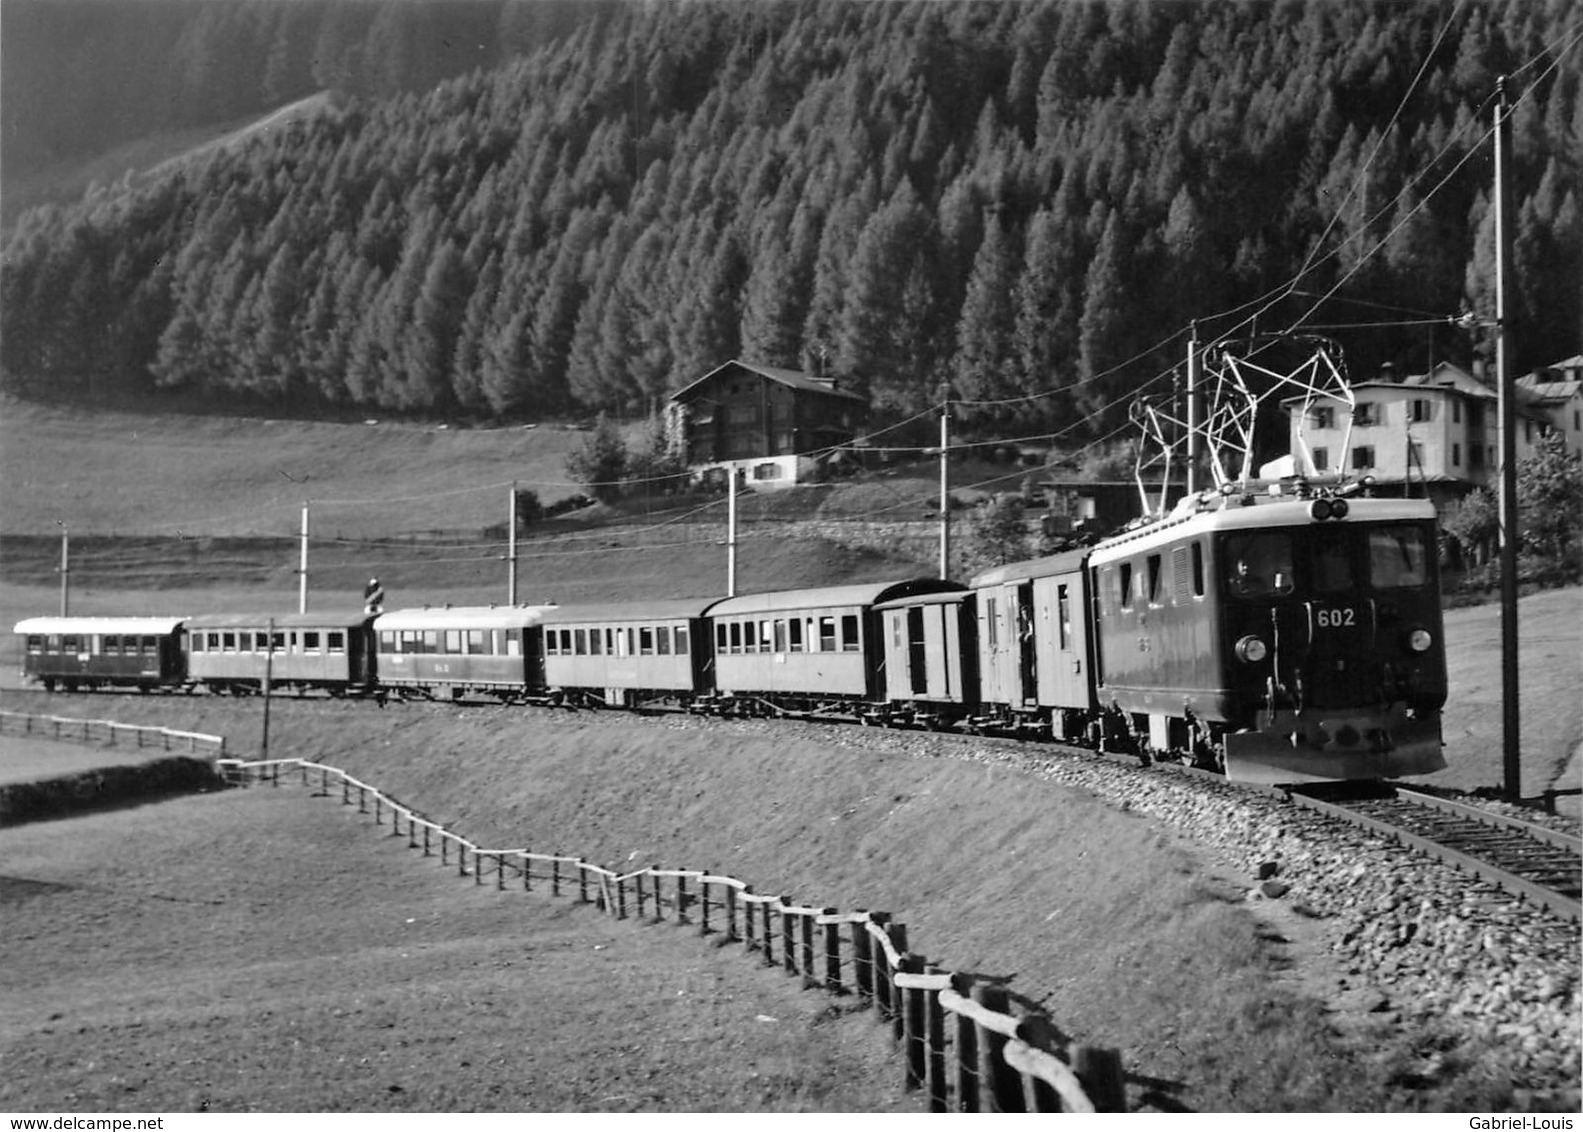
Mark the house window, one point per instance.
(1366, 413)
(1456, 412)
(1420, 410)
(1456, 455)
(767, 471)
(1363, 456)
(1475, 456)
(1321, 459)
(1325, 416)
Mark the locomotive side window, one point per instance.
(1259, 564)
(1126, 585)
(1064, 616)
(1397, 558)
(1154, 562)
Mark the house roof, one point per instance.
(794, 379)
(1549, 392)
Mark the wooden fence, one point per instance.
(106, 731)
(957, 1038)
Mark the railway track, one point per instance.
(1532, 861)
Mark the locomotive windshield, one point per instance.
(1397, 557)
(1325, 560)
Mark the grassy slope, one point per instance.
(1125, 932)
(340, 972)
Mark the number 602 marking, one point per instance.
(1336, 618)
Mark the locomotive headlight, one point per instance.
(1338, 508)
(1419, 640)
(1320, 510)
(1251, 650)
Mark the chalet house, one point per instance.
(1557, 392)
(771, 427)
(1435, 434)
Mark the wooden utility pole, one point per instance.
(302, 565)
(945, 489)
(1506, 407)
(65, 570)
(511, 547)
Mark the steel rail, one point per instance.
(1489, 817)
(1561, 905)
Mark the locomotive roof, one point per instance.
(123, 625)
(867, 593)
(675, 610)
(339, 618)
(1284, 512)
(463, 617)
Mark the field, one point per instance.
(324, 969)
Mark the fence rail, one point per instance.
(957, 1037)
(108, 731)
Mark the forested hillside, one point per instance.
(996, 199)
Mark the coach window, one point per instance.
(849, 634)
(596, 640)
(1396, 558)
(514, 641)
(35, 643)
(228, 642)
(736, 636)
(827, 634)
(990, 623)
(645, 642)
(336, 642)
(552, 641)
(794, 634)
(244, 642)
(477, 642)
(720, 637)
(767, 637)
(780, 636)
(310, 642)
(580, 641)
(662, 640)
(749, 637)
(196, 645)
(453, 641)
(431, 641)
(112, 645)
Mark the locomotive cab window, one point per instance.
(1332, 566)
(1397, 558)
(1259, 564)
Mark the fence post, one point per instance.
(914, 1025)
(500, 872)
(935, 1036)
(703, 904)
(461, 858)
(621, 897)
(1038, 1095)
(967, 1081)
(898, 940)
(412, 830)
(767, 919)
(379, 806)
(445, 847)
(426, 828)
(555, 874)
(642, 895)
(788, 940)
(582, 882)
(998, 1091)
(1099, 1070)
(346, 791)
(832, 956)
(863, 955)
(681, 899)
(527, 871)
(362, 799)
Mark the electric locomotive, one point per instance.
(1280, 631)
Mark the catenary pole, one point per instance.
(731, 532)
(65, 570)
(511, 548)
(1192, 410)
(1506, 407)
(302, 564)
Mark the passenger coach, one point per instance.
(810, 650)
(628, 654)
(235, 652)
(102, 652)
(453, 651)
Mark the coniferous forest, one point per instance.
(980, 200)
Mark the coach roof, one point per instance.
(462, 617)
(828, 597)
(127, 626)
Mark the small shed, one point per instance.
(771, 427)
